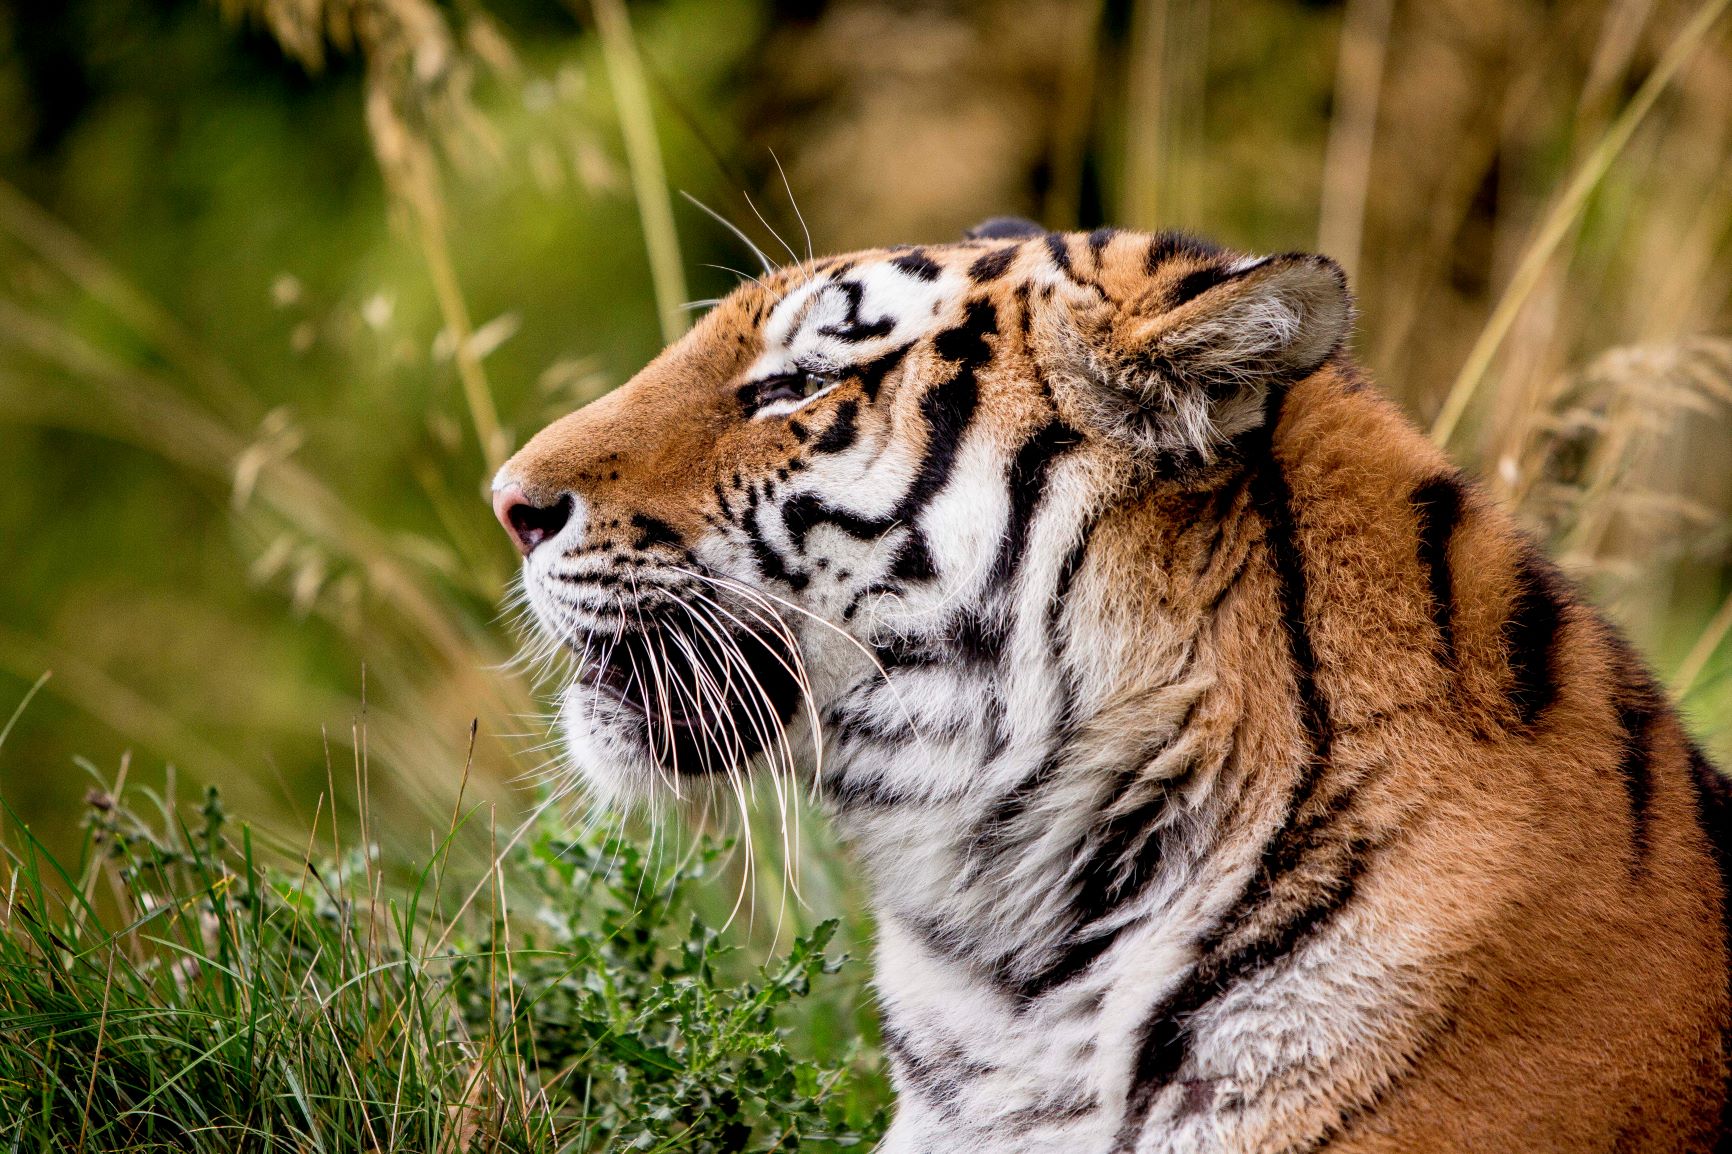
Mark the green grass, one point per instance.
(185, 985)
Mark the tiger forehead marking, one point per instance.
(1229, 772)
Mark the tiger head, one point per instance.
(842, 511)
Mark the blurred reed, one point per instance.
(644, 157)
(419, 641)
(418, 107)
(1561, 219)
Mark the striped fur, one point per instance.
(1229, 773)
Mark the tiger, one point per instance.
(1227, 771)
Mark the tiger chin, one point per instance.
(1229, 772)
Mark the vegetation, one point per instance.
(230, 997)
(282, 280)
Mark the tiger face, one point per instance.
(828, 493)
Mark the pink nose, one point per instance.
(529, 524)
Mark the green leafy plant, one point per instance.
(182, 986)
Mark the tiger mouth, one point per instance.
(621, 682)
(701, 702)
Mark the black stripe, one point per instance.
(1054, 625)
(861, 789)
(1068, 570)
(875, 588)
(1116, 861)
(1081, 950)
(1197, 282)
(1272, 497)
(769, 562)
(1027, 480)
(1217, 515)
(1638, 708)
(918, 265)
(992, 265)
(913, 561)
(1294, 901)
(1714, 814)
(991, 835)
(1640, 705)
(803, 512)
(1060, 250)
(873, 372)
(966, 342)
(852, 328)
(1164, 1042)
(1164, 246)
(1530, 635)
(841, 432)
(978, 638)
(1063, 1106)
(971, 639)
(602, 580)
(1025, 321)
(653, 531)
(938, 1078)
(949, 407)
(946, 652)
(1438, 504)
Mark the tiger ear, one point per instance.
(1188, 365)
(1004, 228)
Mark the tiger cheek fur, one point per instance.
(1229, 772)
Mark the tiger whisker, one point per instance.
(884, 676)
(793, 204)
(769, 266)
(792, 255)
(761, 708)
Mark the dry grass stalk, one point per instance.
(418, 107)
(644, 158)
(431, 665)
(1589, 476)
(1076, 91)
(1563, 216)
(1347, 158)
(1166, 90)
(1146, 103)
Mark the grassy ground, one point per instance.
(183, 984)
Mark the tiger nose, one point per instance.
(529, 524)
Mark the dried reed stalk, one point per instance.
(644, 158)
(1352, 130)
(417, 103)
(1562, 217)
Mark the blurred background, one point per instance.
(281, 281)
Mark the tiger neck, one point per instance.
(1104, 755)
